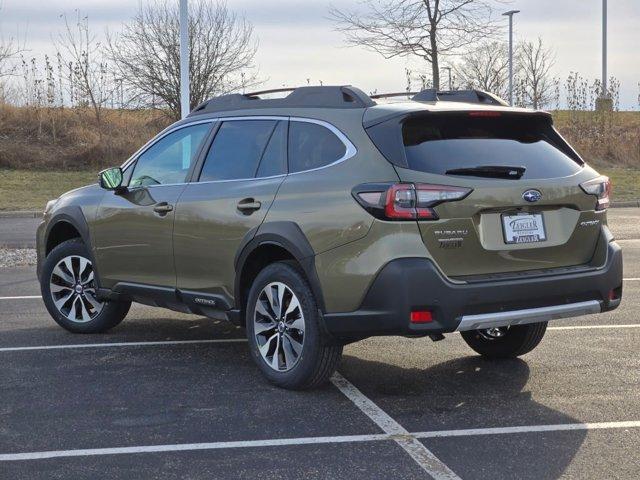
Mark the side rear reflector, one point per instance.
(421, 316)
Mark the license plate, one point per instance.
(523, 228)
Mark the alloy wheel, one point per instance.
(278, 326)
(73, 289)
(493, 333)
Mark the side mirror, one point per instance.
(111, 179)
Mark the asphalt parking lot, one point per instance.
(166, 395)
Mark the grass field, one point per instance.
(30, 190)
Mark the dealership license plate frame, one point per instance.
(525, 235)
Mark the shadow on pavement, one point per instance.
(469, 392)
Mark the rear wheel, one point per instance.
(283, 329)
(505, 342)
(69, 291)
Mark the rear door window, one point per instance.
(312, 146)
(274, 158)
(237, 149)
(439, 143)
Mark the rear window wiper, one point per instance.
(489, 171)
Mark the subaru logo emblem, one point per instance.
(532, 195)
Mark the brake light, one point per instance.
(601, 188)
(406, 201)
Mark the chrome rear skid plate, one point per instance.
(528, 315)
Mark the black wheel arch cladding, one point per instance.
(286, 235)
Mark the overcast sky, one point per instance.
(297, 41)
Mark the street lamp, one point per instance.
(510, 14)
(184, 59)
(449, 69)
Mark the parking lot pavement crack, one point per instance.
(410, 444)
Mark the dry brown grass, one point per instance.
(609, 139)
(63, 139)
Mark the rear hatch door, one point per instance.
(526, 212)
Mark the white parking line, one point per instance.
(122, 344)
(423, 456)
(236, 340)
(23, 297)
(563, 427)
(181, 447)
(596, 327)
(6, 457)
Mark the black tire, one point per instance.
(517, 340)
(111, 314)
(319, 356)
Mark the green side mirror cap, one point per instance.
(111, 178)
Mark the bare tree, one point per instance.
(9, 50)
(535, 87)
(147, 53)
(86, 75)
(427, 29)
(486, 68)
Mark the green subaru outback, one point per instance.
(327, 216)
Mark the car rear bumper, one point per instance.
(409, 284)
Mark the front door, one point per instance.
(133, 230)
(238, 181)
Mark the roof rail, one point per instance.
(394, 94)
(466, 96)
(315, 97)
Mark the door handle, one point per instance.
(162, 208)
(248, 206)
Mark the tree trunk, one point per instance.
(435, 65)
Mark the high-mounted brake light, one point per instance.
(485, 113)
(601, 188)
(406, 201)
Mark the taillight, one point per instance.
(601, 188)
(406, 201)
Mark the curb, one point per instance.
(628, 204)
(21, 214)
(38, 214)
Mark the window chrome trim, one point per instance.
(350, 149)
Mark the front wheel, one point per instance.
(505, 342)
(283, 329)
(69, 291)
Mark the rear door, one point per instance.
(527, 210)
(231, 194)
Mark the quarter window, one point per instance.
(237, 150)
(169, 159)
(312, 146)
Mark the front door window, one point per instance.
(169, 159)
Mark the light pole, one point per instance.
(510, 14)
(449, 69)
(605, 92)
(184, 59)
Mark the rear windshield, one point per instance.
(438, 143)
